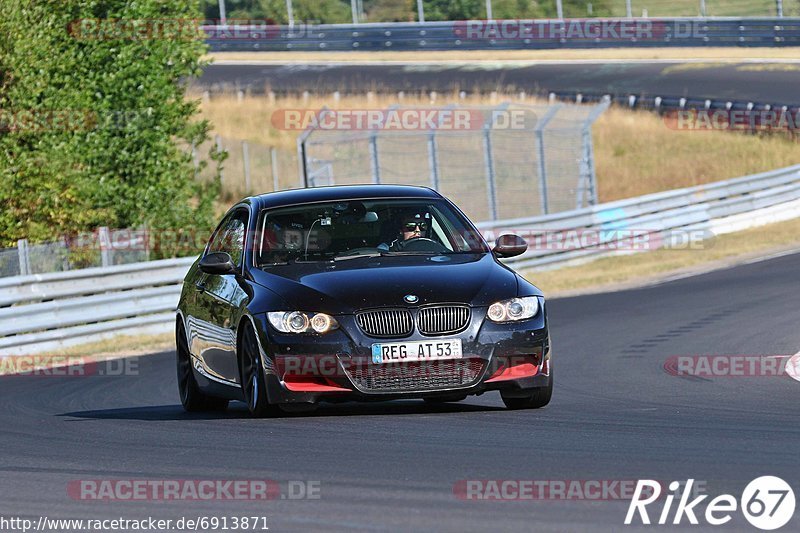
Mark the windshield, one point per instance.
(357, 228)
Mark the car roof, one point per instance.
(340, 192)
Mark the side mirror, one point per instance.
(218, 263)
(509, 246)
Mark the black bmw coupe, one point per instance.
(357, 293)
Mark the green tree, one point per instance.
(98, 123)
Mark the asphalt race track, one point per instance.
(775, 84)
(616, 415)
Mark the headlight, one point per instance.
(300, 322)
(514, 309)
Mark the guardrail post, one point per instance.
(273, 159)
(24, 257)
(104, 239)
(246, 163)
(373, 158)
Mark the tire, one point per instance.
(539, 397)
(192, 399)
(254, 386)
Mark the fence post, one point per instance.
(104, 237)
(542, 156)
(273, 160)
(373, 157)
(588, 147)
(302, 163)
(246, 156)
(218, 141)
(24, 257)
(490, 183)
(195, 160)
(433, 161)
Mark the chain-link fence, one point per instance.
(100, 248)
(502, 162)
(250, 168)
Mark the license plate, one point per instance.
(403, 352)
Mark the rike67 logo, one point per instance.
(767, 503)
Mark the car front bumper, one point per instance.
(512, 357)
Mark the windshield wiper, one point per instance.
(356, 256)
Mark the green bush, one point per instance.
(97, 122)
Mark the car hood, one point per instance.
(343, 287)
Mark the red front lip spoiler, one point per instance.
(310, 384)
(511, 369)
(524, 370)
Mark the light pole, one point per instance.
(559, 9)
(354, 10)
(420, 11)
(489, 10)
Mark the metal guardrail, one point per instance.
(661, 218)
(47, 312)
(459, 35)
(749, 109)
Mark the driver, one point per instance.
(412, 226)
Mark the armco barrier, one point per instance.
(462, 35)
(47, 312)
(715, 208)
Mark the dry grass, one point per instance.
(637, 269)
(728, 53)
(636, 152)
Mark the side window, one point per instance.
(230, 236)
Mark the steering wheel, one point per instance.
(422, 244)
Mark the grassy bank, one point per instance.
(636, 152)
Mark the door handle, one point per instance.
(200, 286)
